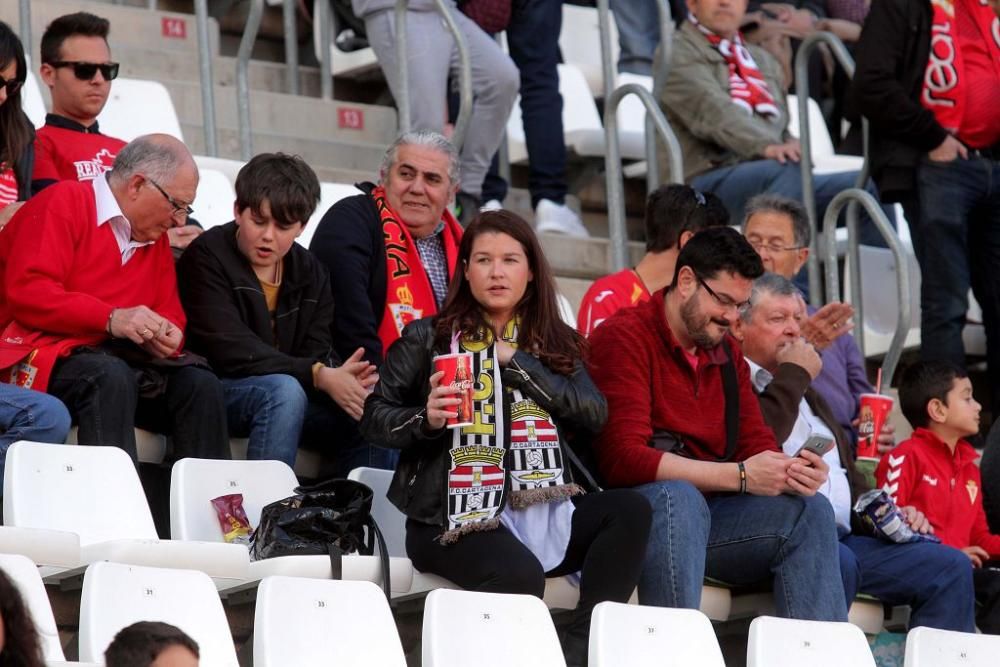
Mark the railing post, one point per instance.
(24, 19)
(242, 77)
(607, 67)
(291, 46)
(661, 67)
(403, 67)
(612, 165)
(871, 205)
(326, 41)
(207, 79)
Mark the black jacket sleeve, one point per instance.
(570, 399)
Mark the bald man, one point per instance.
(89, 308)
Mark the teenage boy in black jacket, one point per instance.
(260, 310)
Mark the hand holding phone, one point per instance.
(817, 444)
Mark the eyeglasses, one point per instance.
(774, 248)
(12, 85)
(86, 71)
(181, 210)
(723, 300)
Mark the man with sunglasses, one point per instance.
(77, 68)
(685, 430)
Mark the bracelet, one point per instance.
(108, 326)
(743, 477)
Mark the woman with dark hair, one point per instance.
(498, 504)
(19, 642)
(16, 134)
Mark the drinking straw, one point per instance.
(878, 382)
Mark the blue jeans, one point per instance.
(959, 234)
(638, 23)
(277, 415)
(934, 579)
(741, 540)
(29, 415)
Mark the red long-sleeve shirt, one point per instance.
(650, 385)
(922, 471)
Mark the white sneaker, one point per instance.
(492, 205)
(553, 218)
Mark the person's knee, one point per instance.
(524, 578)
(505, 83)
(632, 510)
(112, 375)
(817, 512)
(52, 419)
(202, 386)
(286, 393)
(675, 497)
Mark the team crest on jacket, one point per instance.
(973, 490)
(475, 483)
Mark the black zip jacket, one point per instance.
(394, 418)
(891, 57)
(228, 322)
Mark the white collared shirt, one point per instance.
(837, 489)
(109, 211)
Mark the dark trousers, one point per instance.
(101, 394)
(607, 546)
(987, 583)
(533, 40)
(333, 432)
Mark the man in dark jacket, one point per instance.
(260, 309)
(935, 119)
(935, 580)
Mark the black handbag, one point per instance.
(331, 518)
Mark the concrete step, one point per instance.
(583, 258)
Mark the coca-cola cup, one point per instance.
(457, 369)
(872, 414)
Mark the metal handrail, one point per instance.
(661, 68)
(615, 178)
(403, 67)
(291, 46)
(24, 19)
(858, 196)
(607, 67)
(843, 57)
(242, 76)
(207, 79)
(322, 8)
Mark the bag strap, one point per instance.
(731, 391)
(336, 561)
(383, 552)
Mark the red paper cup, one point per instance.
(874, 409)
(457, 370)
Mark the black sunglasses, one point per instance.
(86, 71)
(12, 85)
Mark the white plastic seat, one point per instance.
(94, 495)
(150, 447)
(310, 623)
(520, 626)
(25, 575)
(195, 482)
(785, 642)
(580, 44)
(881, 305)
(825, 160)
(136, 107)
(115, 596)
(213, 202)
(31, 100)
(341, 62)
(229, 168)
(627, 635)
(929, 647)
(329, 194)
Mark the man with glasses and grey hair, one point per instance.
(76, 65)
(90, 311)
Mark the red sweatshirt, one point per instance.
(63, 154)
(946, 487)
(61, 275)
(650, 385)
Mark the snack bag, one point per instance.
(232, 519)
(880, 515)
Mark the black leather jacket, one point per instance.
(394, 417)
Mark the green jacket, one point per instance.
(712, 131)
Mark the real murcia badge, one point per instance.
(403, 312)
(973, 490)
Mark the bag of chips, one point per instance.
(232, 519)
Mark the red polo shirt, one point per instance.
(650, 386)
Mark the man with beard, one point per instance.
(685, 429)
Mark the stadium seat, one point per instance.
(32, 102)
(517, 628)
(580, 44)
(329, 194)
(341, 62)
(929, 647)
(566, 313)
(151, 447)
(880, 302)
(313, 623)
(627, 635)
(195, 482)
(136, 107)
(93, 494)
(784, 642)
(25, 575)
(825, 160)
(115, 596)
(229, 168)
(213, 202)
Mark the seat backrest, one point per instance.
(390, 520)
(136, 107)
(115, 596)
(580, 43)
(213, 202)
(785, 642)
(195, 482)
(329, 194)
(88, 490)
(25, 575)
(32, 101)
(302, 621)
(819, 134)
(628, 635)
(878, 278)
(521, 625)
(929, 647)
(229, 168)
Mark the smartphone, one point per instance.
(817, 444)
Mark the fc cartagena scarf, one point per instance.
(523, 447)
(747, 86)
(408, 295)
(945, 80)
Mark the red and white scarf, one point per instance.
(945, 82)
(747, 86)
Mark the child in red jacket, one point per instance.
(935, 471)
